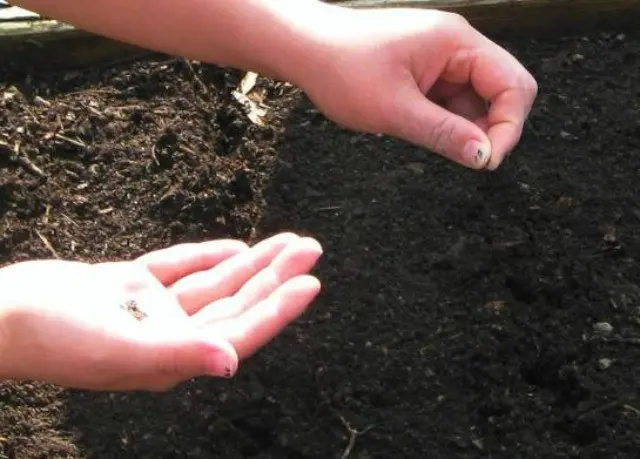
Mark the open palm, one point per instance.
(148, 324)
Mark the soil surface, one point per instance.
(463, 315)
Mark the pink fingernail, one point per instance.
(475, 154)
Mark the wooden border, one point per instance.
(43, 45)
(528, 17)
(46, 45)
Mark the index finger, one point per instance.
(510, 90)
(254, 328)
(177, 261)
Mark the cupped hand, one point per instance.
(425, 76)
(186, 311)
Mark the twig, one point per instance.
(29, 165)
(353, 436)
(506, 245)
(624, 401)
(601, 408)
(47, 244)
(108, 91)
(188, 150)
(69, 219)
(635, 341)
(197, 79)
(154, 156)
(633, 409)
(20, 159)
(77, 143)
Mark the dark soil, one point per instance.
(462, 312)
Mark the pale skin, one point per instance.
(208, 306)
(368, 70)
(424, 76)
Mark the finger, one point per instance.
(468, 105)
(461, 99)
(296, 259)
(218, 311)
(199, 289)
(166, 356)
(431, 126)
(507, 116)
(263, 322)
(170, 264)
(443, 90)
(498, 78)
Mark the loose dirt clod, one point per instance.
(604, 363)
(603, 328)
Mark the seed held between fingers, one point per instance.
(474, 154)
(479, 157)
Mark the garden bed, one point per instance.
(462, 312)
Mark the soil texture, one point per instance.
(463, 314)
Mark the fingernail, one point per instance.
(475, 154)
(221, 365)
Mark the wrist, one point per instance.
(297, 45)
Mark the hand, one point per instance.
(193, 309)
(376, 66)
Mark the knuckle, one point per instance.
(531, 85)
(455, 19)
(534, 88)
(530, 93)
(441, 134)
(451, 28)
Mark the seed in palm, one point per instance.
(131, 306)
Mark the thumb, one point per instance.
(428, 125)
(194, 355)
